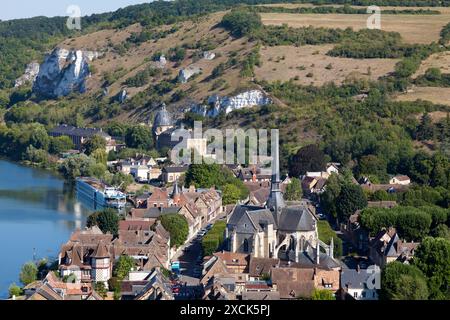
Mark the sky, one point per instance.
(30, 8)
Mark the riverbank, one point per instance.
(38, 213)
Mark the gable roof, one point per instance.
(296, 218)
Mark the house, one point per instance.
(53, 288)
(207, 201)
(260, 268)
(319, 187)
(80, 135)
(333, 167)
(173, 173)
(358, 284)
(295, 283)
(308, 184)
(255, 174)
(152, 285)
(387, 247)
(89, 255)
(159, 198)
(140, 173)
(401, 180)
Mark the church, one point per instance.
(280, 230)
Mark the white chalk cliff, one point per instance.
(63, 72)
(29, 76)
(217, 104)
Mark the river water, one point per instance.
(38, 212)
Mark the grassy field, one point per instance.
(413, 28)
(439, 60)
(311, 65)
(432, 94)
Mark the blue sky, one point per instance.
(12, 9)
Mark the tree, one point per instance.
(350, 199)
(214, 175)
(372, 165)
(402, 282)
(309, 158)
(322, 295)
(123, 266)
(329, 197)
(14, 290)
(230, 194)
(39, 138)
(177, 227)
(94, 143)
(28, 273)
(107, 220)
(425, 131)
(60, 144)
(293, 190)
(81, 165)
(433, 259)
(100, 288)
(413, 224)
(139, 137)
(241, 23)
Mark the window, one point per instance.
(355, 294)
(245, 245)
(363, 294)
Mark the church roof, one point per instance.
(162, 118)
(239, 211)
(296, 218)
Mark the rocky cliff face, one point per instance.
(29, 76)
(217, 104)
(63, 72)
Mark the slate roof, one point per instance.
(354, 279)
(78, 132)
(162, 118)
(175, 169)
(296, 218)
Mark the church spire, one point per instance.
(176, 193)
(275, 202)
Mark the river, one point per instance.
(38, 212)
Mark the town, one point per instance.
(174, 238)
(257, 152)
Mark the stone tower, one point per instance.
(275, 203)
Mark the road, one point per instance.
(191, 258)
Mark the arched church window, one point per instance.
(246, 248)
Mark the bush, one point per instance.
(14, 290)
(212, 241)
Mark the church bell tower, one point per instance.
(275, 203)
